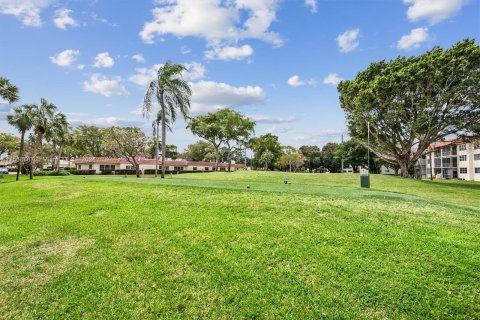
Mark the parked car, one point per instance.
(3, 171)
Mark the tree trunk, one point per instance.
(156, 152)
(216, 158)
(405, 167)
(137, 170)
(20, 158)
(60, 151)
(54, 160)
(34, 154)
(164, 133)
(229, 157)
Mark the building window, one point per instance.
(107, 167)
(462, 147)
(79, 167)
(206, 168)
(463, 170)
(90, 166)
(463, 157)
(476, 156)
(476, 145)
(194, 168)
(129, 167)
(477, 170)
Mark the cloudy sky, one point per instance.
(277, 61)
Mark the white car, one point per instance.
(3, 171)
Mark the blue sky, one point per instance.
(277, 61)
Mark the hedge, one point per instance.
(83, 172)
(51, 173)
(126, 171)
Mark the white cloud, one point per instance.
(63, 19)
(138, 58)
(27, 11)
(65, 58)
(348, 41)
(332, 79)
(215, 21)
(322, 137)
(279, 129)
(229, 53)
(210, 96)
(103, 60)
(105, 86)
(295, 81)
(414, 39)
(260, 118)
(78, 119)
(433, 11)
(143, 76)
(312, 4)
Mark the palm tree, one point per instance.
(8, 91)
(21, 120)
(155, 126)
(173, 94)
(59, 134)
(42, 118)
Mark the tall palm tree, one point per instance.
(59, 134)
(173, 95)
(22, 121)
(155, 126)
(8, 91)
(42, 118)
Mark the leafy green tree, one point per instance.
(128, 143)
(237, 129)
(209, 128)
(22, 121)
(312, 157)
(42, 118)
(290, 158)
(9, 144)
(354, 154)
(8, 91)
(173, 94)
(89, 141)
(200, 151)
(328, 157)
(267, 142)
(413, 102)
(266, 158)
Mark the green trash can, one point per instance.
(364, 179)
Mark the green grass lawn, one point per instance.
(204, 246)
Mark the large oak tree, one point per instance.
(413, 102)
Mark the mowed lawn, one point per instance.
(206, 246)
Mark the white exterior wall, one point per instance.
(465, 164)
(476, 163)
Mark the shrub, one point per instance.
(126, 171)
(83, 172)
(45, 173)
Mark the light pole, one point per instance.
(365, 174)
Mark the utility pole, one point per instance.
(342, 155)
(368, 143)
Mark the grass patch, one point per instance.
(204, 246)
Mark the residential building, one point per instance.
(452, 159)
(107, 165)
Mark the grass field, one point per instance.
(205, 246)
